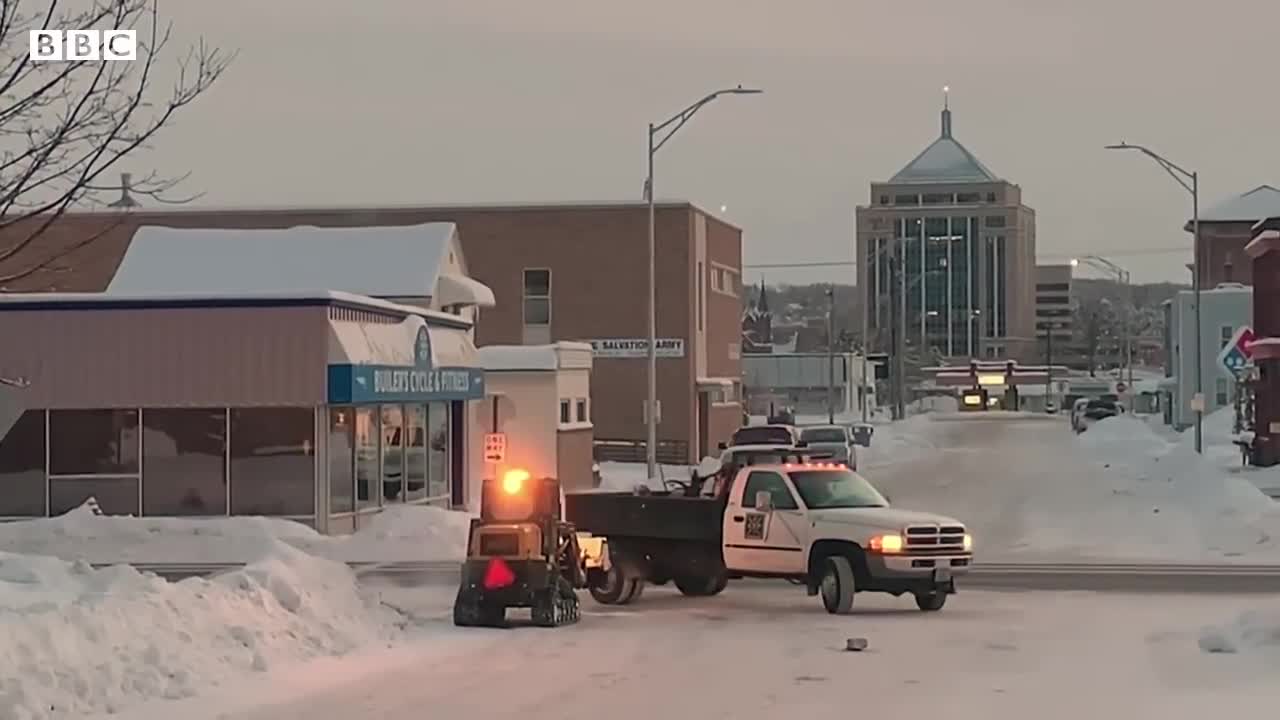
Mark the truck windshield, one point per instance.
(835, 489)
(763, 435)
(823, 435)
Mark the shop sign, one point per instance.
(356, 384)
(636, 348)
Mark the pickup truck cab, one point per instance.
(816, 524)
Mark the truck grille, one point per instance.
(935, 538)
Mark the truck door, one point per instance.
(764, 541)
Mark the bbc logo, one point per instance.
(72, 45)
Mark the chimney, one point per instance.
(126, 200)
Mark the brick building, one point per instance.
(558, 272)
(1225, 229)
(1264, 253)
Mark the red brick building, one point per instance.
(559, 272)
(1225, 229)
(1264, 253)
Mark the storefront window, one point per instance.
(22, 467)
(93, 442)
(184, 461)
(367, 470)
(416, 452)
(392, 453)
(438, 435)
(273, 461)
(342, 439)
(94, 454)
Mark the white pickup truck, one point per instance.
(816, 524)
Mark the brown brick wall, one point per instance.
(1222, 254)
(724, 313)
(598, 256)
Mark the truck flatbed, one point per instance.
(656, 516)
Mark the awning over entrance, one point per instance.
(410, 361)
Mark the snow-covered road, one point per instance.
(767, 651)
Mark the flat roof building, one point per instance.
(572, 272)
(316, 405)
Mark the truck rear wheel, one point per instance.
(622, 584)
(703, 586)
(838, 586)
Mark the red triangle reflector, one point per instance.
(498, 575)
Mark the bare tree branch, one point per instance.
(63, 124)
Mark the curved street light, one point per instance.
(670, 127)
(1190, 181)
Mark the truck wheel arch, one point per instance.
(823, 549)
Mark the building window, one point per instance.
(1226, 333)
(393, 465)
(440, 475)
(537, 297)
(22, 480)
(991, 197)
(967, 198)
(342, 460)
(906, 199)
(1053, 287)
(937, 198)
(582, 410)
(701, 297)
(367, 456)
(565, 417)
(273, 461)
(995, 221)
(184, 461)
(1223, 392)
(415, 453)
(884, 199)
(94, 453)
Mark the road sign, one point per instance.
(495, 447)
(1236, 354)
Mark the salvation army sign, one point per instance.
(636, 348)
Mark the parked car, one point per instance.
(834, 439)
(776, 434)
(1094, 411)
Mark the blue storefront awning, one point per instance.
(361, 384)
(356, 384)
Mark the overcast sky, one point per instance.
(437, 101)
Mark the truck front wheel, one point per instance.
(838, 586)
(931, 602)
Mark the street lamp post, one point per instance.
(1190, 181)
(655, 143)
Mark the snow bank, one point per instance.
(78, 640)
(898, 442)
(412, 533)
(1144, 498)
(1255, 630)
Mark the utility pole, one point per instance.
(831, 355)
(900, 349)
(866, 337)
(1048, 362)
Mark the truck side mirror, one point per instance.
(764, 501)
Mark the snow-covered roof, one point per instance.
(389, 261)
(529, 357)
(1259, 203)
(945, 161)
(78, 301)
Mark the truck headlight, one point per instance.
(887, 544)
(968, 542)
